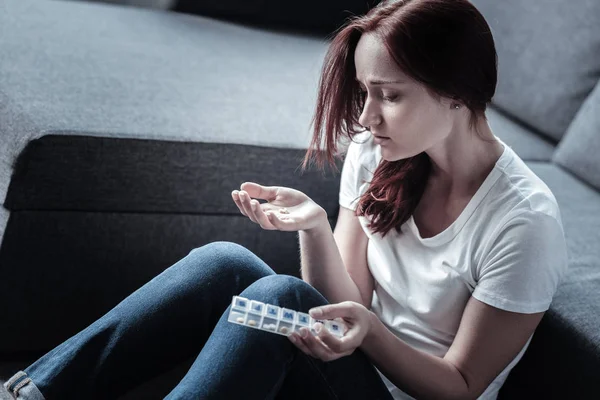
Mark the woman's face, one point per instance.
(397, 107)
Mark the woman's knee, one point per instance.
(223, 262)
(285, 291)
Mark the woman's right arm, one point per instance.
(336, 263)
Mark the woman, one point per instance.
(446, 253)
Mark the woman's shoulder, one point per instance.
(521, 190)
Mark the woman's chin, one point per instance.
(391, 156)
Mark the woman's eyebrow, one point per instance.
(382, 82)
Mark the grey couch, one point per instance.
(123, 131)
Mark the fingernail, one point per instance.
(318, 327)
(315, 312)
(303, 332)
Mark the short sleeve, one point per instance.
(524, 265)
(349, 183)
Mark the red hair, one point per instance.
(447, 46)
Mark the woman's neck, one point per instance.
(462, 161)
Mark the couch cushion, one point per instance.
(127, 72)
(153, 74)
(79, 173)
(579, 151)
(547, 58)
(526, 143)
(563, 359)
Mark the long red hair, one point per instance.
(447, 46)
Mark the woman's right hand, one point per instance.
(286, 209)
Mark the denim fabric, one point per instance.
(21, 387)
(182, 313)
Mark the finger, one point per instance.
(281, 222)
(317, 347)
(254, 207)
(245, 200)
(336, 344)
(236, 199)
(299, 343)
(344, 309)
(262, 218)
(335, 347)
(254, 211)
(260, 192)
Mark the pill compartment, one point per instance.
(253, 320)
(302, 320)
(285, 328)
(335, 328)
(236, 317)
(287, 318)
(272, 311)
(297, 329)
(312, 324)
(240, 303)
(269, 324)
(287, 315)
(257, 307)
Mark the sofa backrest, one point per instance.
(548, 58)
(579, 151)
(317, 16)
(135, 73)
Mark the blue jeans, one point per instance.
(182, 313)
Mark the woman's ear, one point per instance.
(444, 101)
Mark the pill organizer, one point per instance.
(274, 319)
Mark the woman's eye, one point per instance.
(386, 97)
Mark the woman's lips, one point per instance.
(380, 139)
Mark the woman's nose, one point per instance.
(369, 116)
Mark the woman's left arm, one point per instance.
(488, 339)
(516, 282)
(520, 272)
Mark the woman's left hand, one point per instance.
(328, 347)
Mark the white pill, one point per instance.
(283, 329)
(252, 322)
(240, 320)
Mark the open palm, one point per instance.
(286, 209)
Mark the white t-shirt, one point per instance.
(507, 249)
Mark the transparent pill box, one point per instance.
(274, 319)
